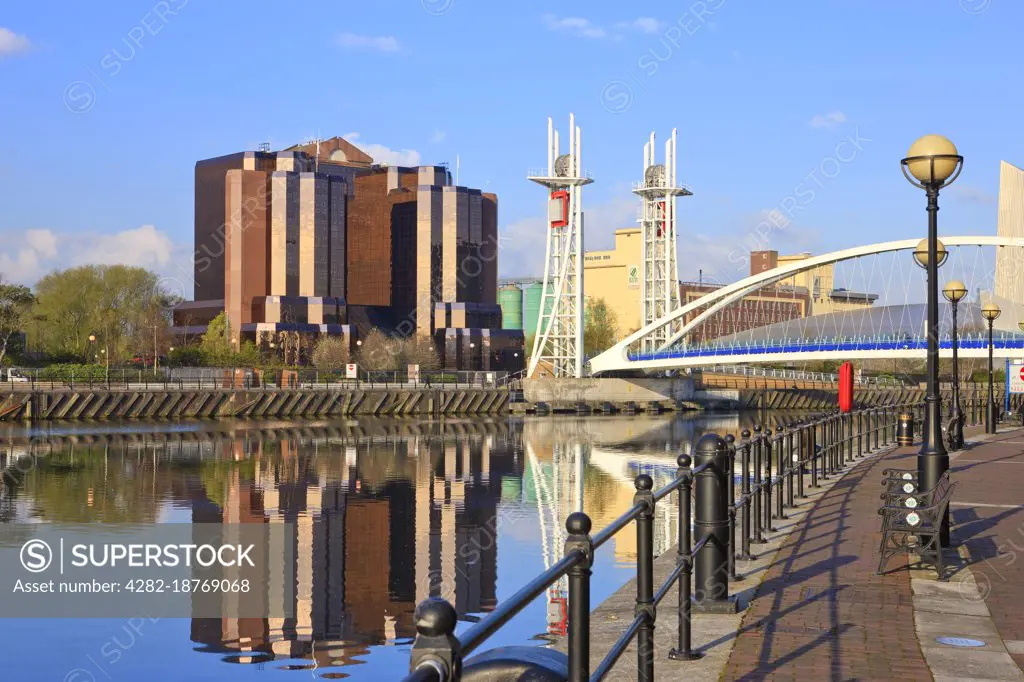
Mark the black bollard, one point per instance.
(711, 522)
(731, 443)
(645, 577)
(745, 492)
(435, 645)
(758, 486)
(683, 650)
(578, 526)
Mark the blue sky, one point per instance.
(107, 106)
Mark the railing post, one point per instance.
(578, 525)
(874, 429)
(802, 443)
(758, 487)
(711, 522)
(780, 471)
(730, 441)
(645, 577)
(769, 446)
(683, 650)
(745, 492)
(435, 645)
(848, 419)
(860, 433)
(790, 463)
(812, 445)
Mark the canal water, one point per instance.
(387, 513)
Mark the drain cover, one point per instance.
(959, 641)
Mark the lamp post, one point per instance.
(990, 311)
(931, 164)
(955, 291)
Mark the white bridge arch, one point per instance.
(617, 357)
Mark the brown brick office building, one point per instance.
(318, 239)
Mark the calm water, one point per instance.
(387, 513)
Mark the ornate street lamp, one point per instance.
(990, 311)
(931, 164)
(955, 291)
(921, 253)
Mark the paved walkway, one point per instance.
(988, 512)
(821, 612)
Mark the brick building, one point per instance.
(318, 239)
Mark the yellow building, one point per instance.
(820, 285)
(615, 276)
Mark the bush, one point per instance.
(186, 357)
(331, 353)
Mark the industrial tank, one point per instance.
(532, 296)
(510, 298)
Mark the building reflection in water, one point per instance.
(386, 513)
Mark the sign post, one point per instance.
(351, 371)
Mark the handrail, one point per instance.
(774, 466)
(505, 611)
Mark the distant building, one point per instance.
(819, 281)
(766, 306)
(615, 276)
(318, 239)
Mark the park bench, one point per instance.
(901, 490)
(910, 525)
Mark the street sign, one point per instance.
(352, 371)
(414, 373)
(1016, 377)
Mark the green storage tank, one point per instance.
(532, 296)
(510, 298)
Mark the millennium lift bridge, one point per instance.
(893, 330)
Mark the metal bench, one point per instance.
(915, 528)
(903, 491)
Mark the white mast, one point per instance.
(558, 345)
(659, 294)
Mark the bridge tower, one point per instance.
(558, 345)
(659, 279)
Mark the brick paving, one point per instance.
(988, 514)
(821, 612)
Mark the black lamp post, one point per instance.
(931, 164)
(990, 311)
(955, 291)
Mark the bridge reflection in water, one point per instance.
(387, 513)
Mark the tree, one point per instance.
(123, 307)
(420, 350)
(215, 344)
(600, 327)
(15, 303)
(379, 352)
(331, 353)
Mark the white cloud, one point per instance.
(354, 41)
(385, 155)
(577, 26)
(829, 120)
(12, 43)
(642, 24)
(28, 255)
(438, 136)
(44, 242)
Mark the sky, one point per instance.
(792, 117)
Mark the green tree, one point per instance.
(215, 344)
(124, 308)
(15, 303)
(600, 327)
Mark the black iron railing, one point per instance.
(774, 467)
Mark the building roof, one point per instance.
(335, 150)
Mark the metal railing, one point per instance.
(799, 375)
(210, 378)
(775, 468)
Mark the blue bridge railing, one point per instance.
(826, 345)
